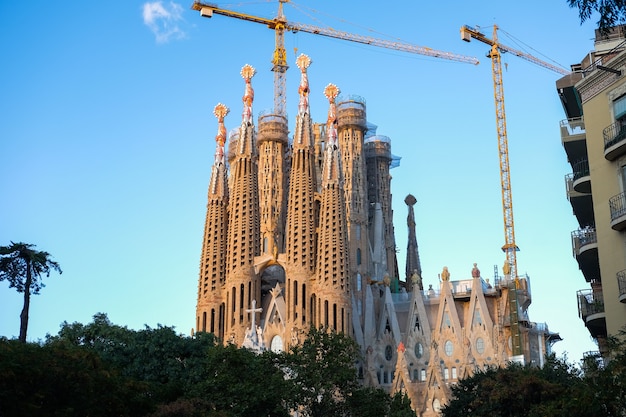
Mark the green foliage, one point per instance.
(557, 389)
(102, 369)
(611, 12)
(63, 380)
(168, 362)
(20, 260)
(607, 381)
(322, 368)
(242, 383)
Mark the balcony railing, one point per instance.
(571, 127)
(581, 169)
(614, 136)
(583, 237)
(621, 285)
(589, 303)
(617, 206)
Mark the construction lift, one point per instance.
(280, 24)
(510, 247)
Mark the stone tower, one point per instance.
(243, 285)
(377, 149)
(352, 125)
(210, 308)
(331, 301)
(301, 237)
(413, 265)
(273, 180)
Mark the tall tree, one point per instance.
(22, 266)
(612, 12)
(556, 389)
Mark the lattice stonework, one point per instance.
(300, 244)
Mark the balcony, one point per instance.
(573, 138)
(617, 207)
(591, 311)
(614, 140)
(582, 203)
(621, 285)
(585, 250)
(582, 179)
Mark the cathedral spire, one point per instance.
(301, 212)
(242, 284)
(210, 307)
(333, 263)
(412, 254)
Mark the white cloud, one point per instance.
(163, 20)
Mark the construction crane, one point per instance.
(510, 247)
(280, 24)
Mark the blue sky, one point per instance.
(107, 141)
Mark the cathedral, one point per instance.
(299, 232)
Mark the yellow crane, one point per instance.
(280, 24)
(510, 247)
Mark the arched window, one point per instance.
(276, 345)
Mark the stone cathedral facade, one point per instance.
(299, 232)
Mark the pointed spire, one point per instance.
(247, 72)
(331, 92)
(220, 111)
(303, 62)
(413, 266)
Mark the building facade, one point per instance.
(594, 139)
(299, 232)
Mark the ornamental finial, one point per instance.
(331, 92)
(220, 111)
(247, 72)
(303, 62)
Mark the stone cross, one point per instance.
(254, 310)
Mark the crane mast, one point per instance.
(510, 247)
(279, 60)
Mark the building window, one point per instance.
(454, 374)
(388, 352)
(437, 405)
(419, 350)
(423, 375)
(277, 344)
(448, 348)
(480, 345)
(446, 374)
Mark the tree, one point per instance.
(22, 266)
(170, 364)
(607, 379)
(64, 380)
(612, 12)
(556, 389)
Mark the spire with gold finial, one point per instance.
(247, 72)
(220, 111)
(303, 62)
(331, 92)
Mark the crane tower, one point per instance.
(510, 248)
